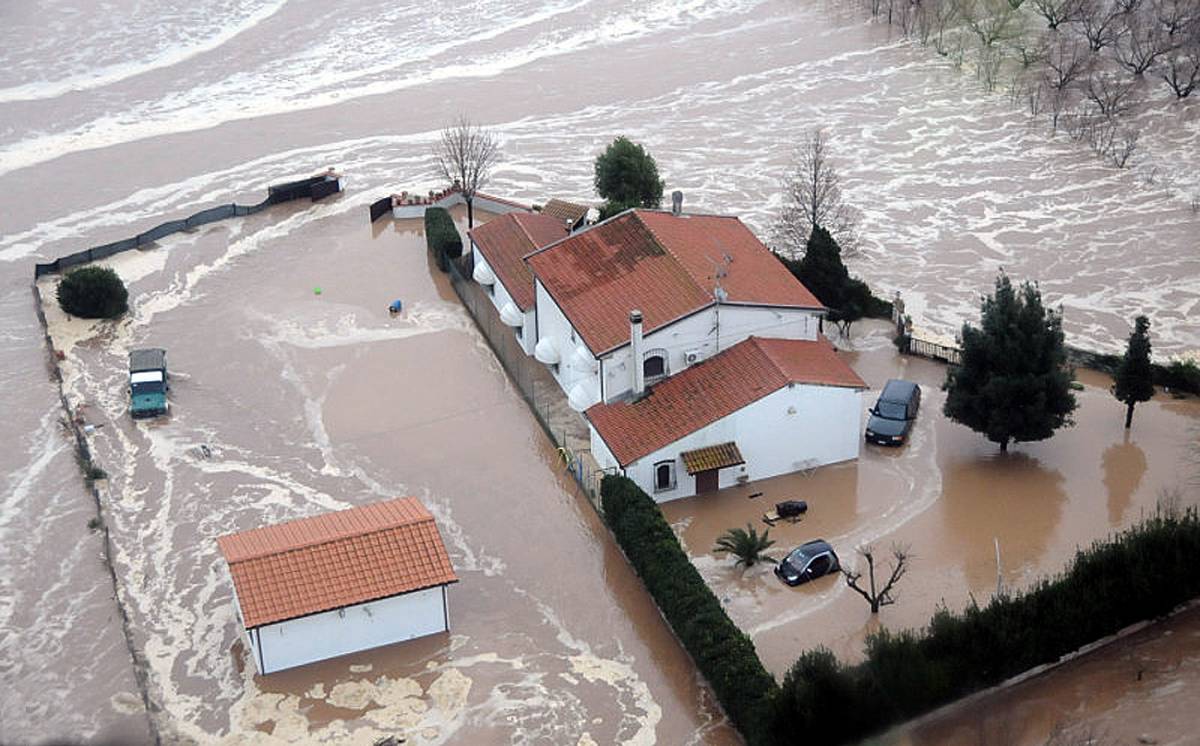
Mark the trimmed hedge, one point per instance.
(93, 293)
(721, 651)
(1140, 574)
(441, 235)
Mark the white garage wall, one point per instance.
(296, 642)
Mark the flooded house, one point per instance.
(667, 329)
(498, 249)
(339, 583)
(761, 408)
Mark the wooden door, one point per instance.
(706, 481)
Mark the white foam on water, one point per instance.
(98, 77)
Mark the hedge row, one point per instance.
(441, 235)
(1175, 375)
(1141, 574)
(722, 652)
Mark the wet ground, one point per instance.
(1141, 689)
(116, 116)
(293, 393)
(948, 495)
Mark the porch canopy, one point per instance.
(712, 457)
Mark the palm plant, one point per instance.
(745, 544)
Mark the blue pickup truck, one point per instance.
(148, 382)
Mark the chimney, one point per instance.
(635, 353)
(676, 202)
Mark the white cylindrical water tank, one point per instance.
(582, 396)
(582, 359)
(546, 351)
(512, 315)
(483, 274)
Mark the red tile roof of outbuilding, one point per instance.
(505, 240)
(716, 388)
(337, 559)
(665, 265)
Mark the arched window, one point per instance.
(664, 476)
(654, 366)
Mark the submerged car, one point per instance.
(893, 414)
(808, 561)
(148, 382)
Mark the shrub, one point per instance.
(721, 651)
(441, 235)
(1140, 574)
(93, 293)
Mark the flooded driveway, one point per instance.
(952, 498)
(293, 393)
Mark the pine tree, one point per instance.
(1134, 379)
(1013, 383)
(626, 176)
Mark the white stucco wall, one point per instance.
(296, 642)
(698, 332)
(501, 296)
(796, 427)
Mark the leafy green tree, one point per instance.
(1135, 379)
(822, 271)
(627, 176)
(93, 293)
(1014, 383)
(746, 545)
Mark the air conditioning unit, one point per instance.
(692, 357)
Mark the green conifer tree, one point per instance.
(1134, 379)
(1014, 383)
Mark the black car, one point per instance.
(893, 414)
(807, 562)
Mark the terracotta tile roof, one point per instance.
(504, 241)
(568, 213)
(712, 457)
(716, 388)
(662, 264)
(337, 559)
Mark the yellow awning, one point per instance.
(712, 457)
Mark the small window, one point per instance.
(520, 332)
(664, 476)
(819, 566)
(491, 290)
(654, 365)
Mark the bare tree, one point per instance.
(1066, 60)
(1127, 7)
(464, 155)
(1143, 42)
(1109, 95)
(884, 596)
(1123, 146)
(1180, 69)
(1175, 16)
(1056, 12)
(991, 20)
(812, 196)
(1100, 22)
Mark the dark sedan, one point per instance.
(807, 562)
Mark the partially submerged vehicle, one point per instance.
(148, 382)
(893, 414)
(808, 561)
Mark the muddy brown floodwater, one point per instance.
(1140, 689)
(306, 397)
(951, 497)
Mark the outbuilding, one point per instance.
(339, 583)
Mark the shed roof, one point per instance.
(339, 559)
(568, 213)
(716, 388)
(152, 358)
(663, 264)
